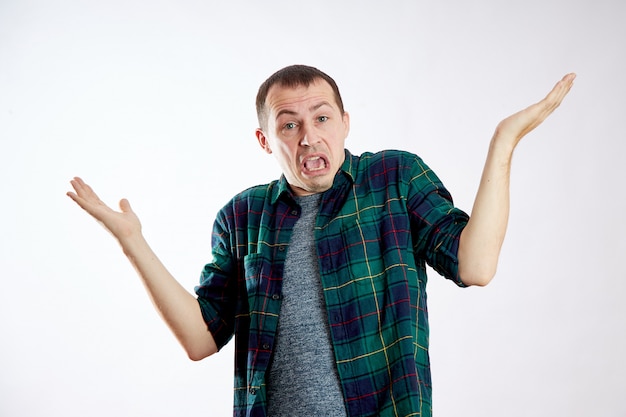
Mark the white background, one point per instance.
(154, 101)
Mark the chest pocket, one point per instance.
(256, 273)
(364, 250)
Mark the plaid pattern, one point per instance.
(386, 217)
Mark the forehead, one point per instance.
(299, 97)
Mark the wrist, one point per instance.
(502, 147)
(132, 243)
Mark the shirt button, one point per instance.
(252, 391)
(266, 346)
(281, 248)
(294, 212)
(276, 297)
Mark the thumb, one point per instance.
(125, 206)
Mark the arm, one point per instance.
(482, 238)
(178, 307)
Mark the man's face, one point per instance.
(306, 132)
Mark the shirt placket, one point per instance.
(267, 321)
(334, 298)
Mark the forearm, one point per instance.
(178, 308)
(482, 238)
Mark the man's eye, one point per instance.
(290, 125)
(322, 118)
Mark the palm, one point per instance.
(120, 223)
(521, 123)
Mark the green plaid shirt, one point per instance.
(386, 216)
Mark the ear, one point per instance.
(346, 123)
(265, 144)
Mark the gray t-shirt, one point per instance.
(302, 378)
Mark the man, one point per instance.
(321, 275)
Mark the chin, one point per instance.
(321, 187)
(311, 188)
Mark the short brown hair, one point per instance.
(292, 76)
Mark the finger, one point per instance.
(86, 198)
(553, 100)
(568, 82)
(72, 195)
(78, 184)
(560, 90)
(83, 190)
(80, 201)
(125, 206)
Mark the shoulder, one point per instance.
(387, 162)
(256, 192)
(396, 169)
(387, 157)
(251, 199)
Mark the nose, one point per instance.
(309, 136)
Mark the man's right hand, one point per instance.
(122, 224)
(177, 307)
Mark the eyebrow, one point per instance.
(317, 106)
(312, 108)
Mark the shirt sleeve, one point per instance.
(218, 286)
(436, 225)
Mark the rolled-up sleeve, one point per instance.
(217, 290)
(436, 225)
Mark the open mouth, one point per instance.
(314, 163)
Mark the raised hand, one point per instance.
(179, 308)
(482, 238)
(516, 126)
(121, 224)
